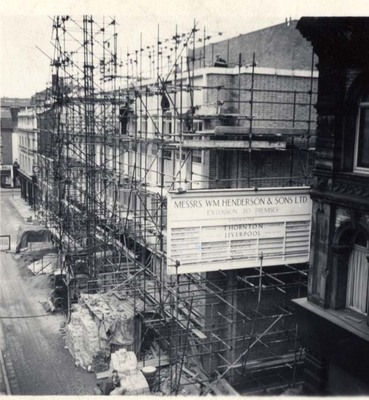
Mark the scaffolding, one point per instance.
(114, 138)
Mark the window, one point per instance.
(198, 126)
(168, 125)
(361, 157)
(157, 207)
(184, 155)
(167, 154)
(357, 279)
(154, 124)
(154, 149)
(143, 124)
(197, 156)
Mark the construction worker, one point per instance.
(220, 62)
(118, 389)
(188, 118)
(115, 378)
(165, 104)
(124, 113)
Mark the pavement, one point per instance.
(33, 359)
(4, 379)
(24, 210)
(4, 375)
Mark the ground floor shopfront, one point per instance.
(28, 188)
(6, 175)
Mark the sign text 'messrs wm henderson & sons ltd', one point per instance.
(229, 229)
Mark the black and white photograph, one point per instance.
(184, 200)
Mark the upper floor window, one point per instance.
(361, 156)
(357, 279)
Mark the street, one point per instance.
(36, 361)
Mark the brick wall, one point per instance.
(278, 101)
(280, 46)
(238, 169)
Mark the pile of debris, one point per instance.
(98, 324)
(132, 379)
(82, 339)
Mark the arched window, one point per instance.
(357, 279)
(361, 155)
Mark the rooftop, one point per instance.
(14, 102)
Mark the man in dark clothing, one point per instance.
(104, 388)
(123, 116)
(188, 118)
(124, 112)
(220, 62)
(115, 378)
(118, 390)
(165, 104)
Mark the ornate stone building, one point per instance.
(334, 318)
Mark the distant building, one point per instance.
(7, 125)
(334, 319)
(9, 111)
(25, 145)
(27, 137)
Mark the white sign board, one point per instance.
(4, 242)
(210, 230)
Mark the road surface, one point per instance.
(36, 360)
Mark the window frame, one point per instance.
(356, 168)
(350, 293)
(342, 245)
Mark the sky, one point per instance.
(25, 24)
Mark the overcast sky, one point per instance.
(25, 24)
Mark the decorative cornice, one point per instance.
(338, 40)
(348, 187)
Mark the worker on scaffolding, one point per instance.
(188, 118)
(220, 62)
(164, 103)
(124, 112)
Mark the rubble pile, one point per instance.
(82, 339)
(113, 316)
(100, 361)
(97, 323)
(125, 362)
(132, 379)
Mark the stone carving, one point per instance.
(354, 188)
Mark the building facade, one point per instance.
(110, 161)
(27, 147)
(334, 317)
(10, 108)
(6, 162)
(24, 145)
